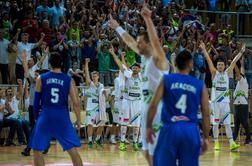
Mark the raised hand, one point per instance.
(113, 24)
(202, 45)
(19, 81)
(145, 12)
(112, 49)
(87, 60)
(42, 35)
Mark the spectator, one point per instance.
(43, 11)
(49, 33)
(60, 46)
(104, 64)
(4, 43)
(13, 113)
(6, 122)
(25, 46)
(76, 74)
(7, 26)
(30, 25)
(75, 50)
(57, 10)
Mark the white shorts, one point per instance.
(221, 114)
(117, 111)
(156, 122)
(92, 118)
(131, 112)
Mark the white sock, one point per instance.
(112, 136)
(90, 139)
(123, 133)
(216, 132)
(229, 133)
(98, 137)
(135, 134)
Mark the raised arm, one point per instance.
(20, 92)
(208, 59)
(158, 52)
(237, 57)
(129, 40)
(88, 80)
(116, 59)
(40, 40)
(76, 102)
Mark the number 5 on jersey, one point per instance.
(181, 104)
(55, 95)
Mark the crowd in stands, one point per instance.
(79, 30)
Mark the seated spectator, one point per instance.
(4, 122)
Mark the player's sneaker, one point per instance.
(90, 145)
(122, 146)
(234, 146)
(216, 146)
(126, 141)
(135, 147)
(98, 143)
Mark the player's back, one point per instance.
(181, 98)
(55, 90)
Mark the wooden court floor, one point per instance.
(111, 156)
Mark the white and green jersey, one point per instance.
(220, 88)
(92, 94)
(133, 88)
(241, 92)
(151, 78)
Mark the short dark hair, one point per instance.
(182, 59)
(55, 60)
(221, 59)
(145, 37)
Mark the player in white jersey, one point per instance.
(130, 114)
(92, 111)
(220, 96)
(116, 106)
(241, 112)
(153, 64)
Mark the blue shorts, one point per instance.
(178, 141)
(54, 124)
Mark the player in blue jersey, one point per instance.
(52, 91)
(179, 138)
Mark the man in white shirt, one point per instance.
(25, 46)
(6, 122)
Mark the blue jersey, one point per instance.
(54, 120)
(181, 98)
(55, 90)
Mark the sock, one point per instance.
(123, 133)
(135, 134)
(90, 139)
(98, 137)
(112, 136)
(229, 133)
(216, 132)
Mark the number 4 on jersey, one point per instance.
(181, 104)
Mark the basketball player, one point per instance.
(153, 66)
(220, 96)
(52, 90)
(130, 114)
(179, 138)
(94, 88)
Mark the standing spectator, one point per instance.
(6, 23)
(4, 43)
(75, 50)
(57, 10)
(74, 29)
(62, 48)
(241, 6)
(104, 64)
(25, 46)
(76, 74)
(30, 25)
(49, 33)
(43, 11)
